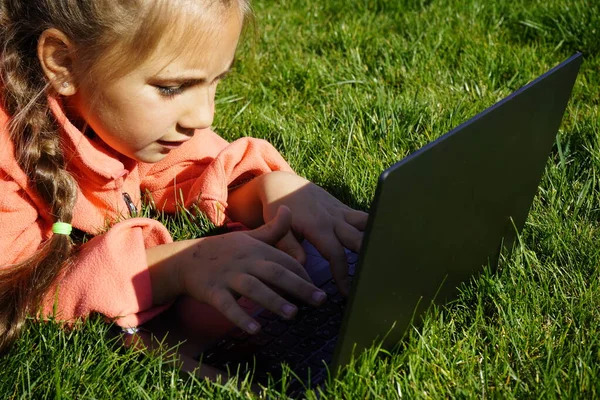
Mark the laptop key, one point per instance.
(330, 288)
(325, 312)
(225, 345)
(274, 370)
(306, 372)
(287, 341)
(302, 330)
(326, 332)
(352, 269)
(238, 334)
(209, 357)
(330, 346)
(276, 328)
(341, 304)
(335, 321)
(260, 376)
(272, 352)
(261, 339)
(310, 345)
(296, 388)
(241, 351)
(352, 257)
(337, 299)
(303, 309)
(318, 380)
(320, 359)
(315, 319)
(236, 367)
(293, 358)
(332, 308)
(222, 342)
(320, 273)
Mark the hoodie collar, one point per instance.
(85, 153)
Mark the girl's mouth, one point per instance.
(169, 145)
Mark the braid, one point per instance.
(35, 135)
(114, 36)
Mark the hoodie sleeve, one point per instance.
(22, 227)
(109, 274)
(203, 170)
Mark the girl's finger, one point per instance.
(286, 261)
(349, 236)
(225, 303)
(281, 278)
(330, 248)
(290, 245)
(357, 219)
(275, 229)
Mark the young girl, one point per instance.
(103, 100)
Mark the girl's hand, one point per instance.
(212, 269)
(318, 217)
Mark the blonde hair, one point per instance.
(112, 37)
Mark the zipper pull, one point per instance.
(133, 212)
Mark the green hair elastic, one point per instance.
(62, 228)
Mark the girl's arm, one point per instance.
(245, 203)
(201, 171)
(109, 275)
(317, 216)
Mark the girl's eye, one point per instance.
(169, 91)
(172, 91)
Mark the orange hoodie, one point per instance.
(110, 275)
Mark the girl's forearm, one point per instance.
(164, 272)
(245, 203)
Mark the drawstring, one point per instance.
(133, 212)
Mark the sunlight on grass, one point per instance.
(344, 89)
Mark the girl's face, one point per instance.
(157, 107)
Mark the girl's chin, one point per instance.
(150, 157)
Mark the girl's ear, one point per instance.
(56, 54)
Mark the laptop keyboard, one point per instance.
(305, 343)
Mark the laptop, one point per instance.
(437, 218)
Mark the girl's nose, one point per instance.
(200, 111)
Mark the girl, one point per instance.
(104, 99)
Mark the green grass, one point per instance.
(346, 88)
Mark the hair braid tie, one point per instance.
(62, 228)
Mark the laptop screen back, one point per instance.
(443, 212)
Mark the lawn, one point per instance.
(345, 88)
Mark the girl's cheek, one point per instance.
(213, 91)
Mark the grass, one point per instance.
(346, 88)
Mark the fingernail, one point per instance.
(319, 296)
(288, 309)
(253, 327)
